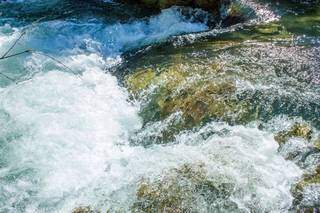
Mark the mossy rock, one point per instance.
(307, 180)
(179, 189)
(140, 80)
(296, 131)
(84, 209)
(193, 92)
(222, 80)
(310, 179)
(317, 143)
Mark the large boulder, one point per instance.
(183, 189)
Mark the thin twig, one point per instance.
(16, 54)
(24, 32)
(56, 60)
(4, 75)
(39, 53)
(12, 46)
(6, 54)
(9, 56)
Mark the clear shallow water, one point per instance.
(66, 139)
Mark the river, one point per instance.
(124, 109)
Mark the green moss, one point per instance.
(220, 80)
(305, 23)
(297, 130)
(140, 80)
(189, 90)
(271, 28)
(264, 32)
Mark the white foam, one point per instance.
(61, 132)
(246, 158)
(71, 127)
(113, 39)
(65, 139)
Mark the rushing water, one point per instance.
(71, 135)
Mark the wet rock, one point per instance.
(306, 155)
(310, 179)
(140, 80)
(317, 143)
(235, 13)
(181, 190)
(306, 192)
(85, 209)
(297, 130)
(177, 89)
(224, 80)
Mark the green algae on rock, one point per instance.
(296, 131)
(307, 150)
(298, 190)
(310, 179)
(180, 190)
(317, 143)
(140, 80)
(84, 209)
(238, 86)
(190, 91)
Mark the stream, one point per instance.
(118, 108)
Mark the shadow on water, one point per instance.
(61, 9)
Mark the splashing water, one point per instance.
(69, 140)
(60, 132)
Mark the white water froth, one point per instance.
(64, 139)
(69, 128)
(245, 158)
(59, 132)
(114, 39)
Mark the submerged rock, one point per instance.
(306, 154)
(297, 130)
(84, 209)
(192, 92)
(310, 179)
(226, 80)
(299, 151)
(306, 192)
(317, 143)
(182, 190)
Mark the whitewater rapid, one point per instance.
(64, 137)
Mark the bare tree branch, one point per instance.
(12, 46)
(24, 32)
(4, 75)
(16, 54)
(6, 54)
(56, 60)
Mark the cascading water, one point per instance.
(71, 135)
